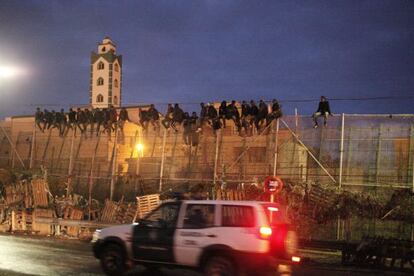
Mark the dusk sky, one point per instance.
(192, 51)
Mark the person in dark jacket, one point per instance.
(223, 112)
(254, 111)
(233, 114)
(80, 119)
(62, 122)
(187, 128)
(246, 118)
(154, 116)
(99, 118)
(261, 115)
(71, 121)
(178, 116)
(39, 118)
(211, 112)
(323, 110)
(276, 112)
(123, 117)
(166, 122)
(203, 114)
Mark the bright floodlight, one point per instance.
(139, 147)
(9, 71)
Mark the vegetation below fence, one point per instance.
(38, 204)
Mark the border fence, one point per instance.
(367, 153)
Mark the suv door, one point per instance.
(197, 230)
(239, 229)
(153, 236)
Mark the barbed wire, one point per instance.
(305, 100)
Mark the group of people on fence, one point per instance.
(106, 118)
(246, 117)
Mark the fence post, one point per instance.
(91, 177)
(341, 158)
(33, 145)
(276, 148)
(164, 137)
(114, 164)
(70, 167)
(411, 157)
(341, 152)
(296, 120)
(216, 155)
(378, 159)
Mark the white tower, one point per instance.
(106, 73)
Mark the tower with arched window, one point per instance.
(106, 74)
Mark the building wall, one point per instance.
(100, 89)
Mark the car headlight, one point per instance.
(95, 236)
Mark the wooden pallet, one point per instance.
(146, 204)
(21, 220)
(72, 213)
(109, 211)
(230, 195)
(40, 193)
(42, 228)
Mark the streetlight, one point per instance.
(9, 71)
(139, 147)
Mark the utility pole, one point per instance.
(164, 138)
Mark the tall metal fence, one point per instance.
(358, 151)
(372, 154)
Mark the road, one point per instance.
(27, 255)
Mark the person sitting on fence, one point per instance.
(113, 117)
(80, 120)
(254, 111)
(46, 119)
(154, 117)
(107, 120)
(62, 121)
(323, 110)
(178, 116)
(223, 112)
(187, 129)
(211, 113)
(261, 115)
(92, 120)
(52, 122)
(71, 121)
(88, 119)
(149, 116)
(123, 117)
(39, 118)
(99, 118)
(195, 129)
(276, 112)
(203, 115)
(233, 114)
(245, 118)
(166, 122)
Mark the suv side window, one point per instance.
(199, 216)
(237, 216)
(165, 216)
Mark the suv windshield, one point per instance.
(275, 214)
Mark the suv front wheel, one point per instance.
(219, 266)
(113, 260)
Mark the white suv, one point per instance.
(217, 237)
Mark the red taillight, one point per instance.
(265, 232)
(296, 259)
